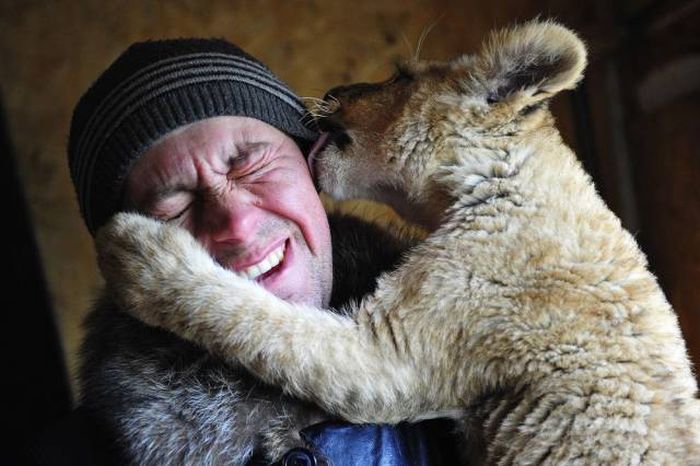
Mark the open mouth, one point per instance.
(268, 266)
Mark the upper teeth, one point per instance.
(272, 259)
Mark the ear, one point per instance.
(530, 63)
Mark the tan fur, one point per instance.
(528, 313)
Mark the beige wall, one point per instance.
(50, 51)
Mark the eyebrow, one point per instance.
(243, 149)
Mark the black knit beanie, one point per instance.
(155, 87)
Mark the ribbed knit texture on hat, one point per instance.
(154, 88)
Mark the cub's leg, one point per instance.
(161, 275)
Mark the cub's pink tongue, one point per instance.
(315, 149)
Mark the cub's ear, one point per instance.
(530, 63)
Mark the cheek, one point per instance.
(294, 198)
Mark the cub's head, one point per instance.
(387, 138)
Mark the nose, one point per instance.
(229, 219)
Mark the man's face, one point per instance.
(243, 189)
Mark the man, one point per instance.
(200, 134)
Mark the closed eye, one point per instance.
(170, 206)
(250, 159)
(178, 215)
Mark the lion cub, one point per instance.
(528, 312)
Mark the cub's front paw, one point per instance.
(142, 260)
